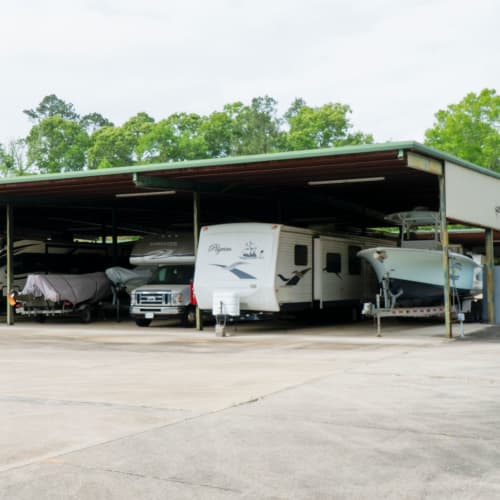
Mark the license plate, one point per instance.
(149, 315)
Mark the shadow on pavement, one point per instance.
(489, 334)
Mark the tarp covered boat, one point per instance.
(74, 288)
(62, 294)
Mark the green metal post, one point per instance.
(10, 247)
(196, 229)
(489, 274)
(446, 260)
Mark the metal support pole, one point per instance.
(446, 260)
(10, 247)
(379, 319)
(114, 237)
(489, 274)
(196, 229)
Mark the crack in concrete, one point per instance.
(407, 429)
(146, 476)
(379, 428)
(97, 404)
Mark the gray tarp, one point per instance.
(75, 288)
(129, 278)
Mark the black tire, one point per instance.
(40, 318)
(142, 322)
(189, 318)
(86, 315)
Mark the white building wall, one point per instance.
(472, 197)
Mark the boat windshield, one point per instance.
(173, 275)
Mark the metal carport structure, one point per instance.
(347, 187)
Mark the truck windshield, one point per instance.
(173, 275)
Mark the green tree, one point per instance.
(13, 158)
(256, 128)
(189, 142)
(470, 129)
(217, 131)
(59, 138)
(323, 127)
(297, 104)
(177, 138)
(93, 122)
(52, 105)
(120, 146)
(134, 130)
(57, 145)
(110, 147)
(6, 162)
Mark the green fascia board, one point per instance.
(236, 160)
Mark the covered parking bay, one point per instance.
(349, 189)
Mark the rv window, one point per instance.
(300, 255)
(354, 260)
(333, 263)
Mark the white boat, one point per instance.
(413, 272)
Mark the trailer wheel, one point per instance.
(142, 322)
(189, 318)
(86, 315)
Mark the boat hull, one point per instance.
(418, 273)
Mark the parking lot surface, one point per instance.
(278, 410)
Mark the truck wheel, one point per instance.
(86, 315)
(189, 318)
(142, 322)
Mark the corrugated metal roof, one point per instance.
(249, 159)
(271, 187)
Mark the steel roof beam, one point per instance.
(153, 182)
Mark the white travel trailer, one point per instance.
(273, 268)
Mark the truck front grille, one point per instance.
(154, 298)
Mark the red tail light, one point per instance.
(192, 297)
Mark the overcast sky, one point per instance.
(394, 62)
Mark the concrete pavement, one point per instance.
(111, 411)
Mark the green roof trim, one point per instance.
(235, 160)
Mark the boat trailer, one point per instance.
(385, 307)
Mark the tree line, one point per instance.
(62, 140)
